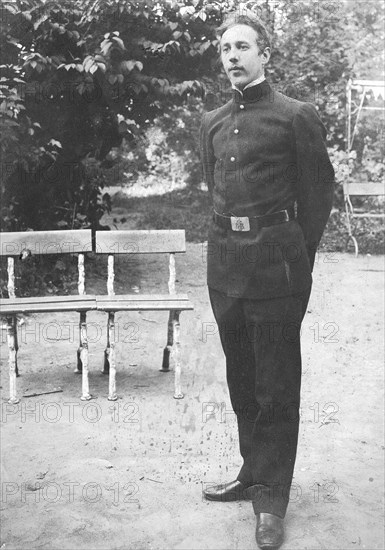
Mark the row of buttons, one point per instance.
(236, 131)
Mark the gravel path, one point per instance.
(129, 475)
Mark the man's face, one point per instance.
(241, 58)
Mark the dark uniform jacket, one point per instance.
(263, 152)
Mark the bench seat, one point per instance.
(47, 304)
(143, 302)
(360, 189)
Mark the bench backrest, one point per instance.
(45, 242)
(362, 189)
(141, 242)
(80, 241)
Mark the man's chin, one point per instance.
(238, 83)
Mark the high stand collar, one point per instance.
(254, 93)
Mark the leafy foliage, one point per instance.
(81, 77)
(78, 76)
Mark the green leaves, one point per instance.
(92, 63)
(112, 41)
(68, 66)
(36, 61)
(96, 71)
(55, 143)
(128, 66)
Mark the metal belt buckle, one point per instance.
(240, 224)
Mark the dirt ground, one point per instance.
(129, 475)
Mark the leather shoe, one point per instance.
(226, 492)
(269, 533)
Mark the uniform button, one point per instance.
(241, 106)
(232, 159)
(236, 131)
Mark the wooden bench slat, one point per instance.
(143, 297)
(46, 308)
(144, 306)
(49, 299)
(365, 188)
(135, 302)
(46, 304)
(46, 242)
(369, 215)
(140, 242)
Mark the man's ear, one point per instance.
(265, 56)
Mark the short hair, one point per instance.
(249, 19)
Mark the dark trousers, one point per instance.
(261, 341)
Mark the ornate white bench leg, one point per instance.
(16, 343)
(107, 351)
(81, 290)
(12, 347)
(84, 356)
(175, 353)
(111, 358)
(349, 213)
(355, 244)
(79, 364)
(170, 342)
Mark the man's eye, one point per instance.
(224, 50)
(244, 47)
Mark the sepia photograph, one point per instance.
(192, 274)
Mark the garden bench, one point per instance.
(15, 245)
(361, 95)
(113, 243)
(370, 189)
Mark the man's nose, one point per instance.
(233, 56)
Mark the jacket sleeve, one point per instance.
(207, 155)
(315, 177)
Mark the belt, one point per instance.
(243, 223)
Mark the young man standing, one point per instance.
(271, 182)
